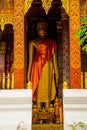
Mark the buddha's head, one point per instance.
(42, 28)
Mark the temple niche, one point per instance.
(41, 113)
(14, 50)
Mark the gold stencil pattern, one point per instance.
(75, 61)
(19, 44)
(18, 34)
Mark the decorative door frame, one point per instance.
(72, 8)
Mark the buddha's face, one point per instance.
(42, 28)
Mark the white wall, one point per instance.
(15, 107)
(74, 106)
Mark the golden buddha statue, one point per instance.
(43, 68)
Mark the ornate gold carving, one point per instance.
(65, 85)
(6, 19)
(18, 35)
(18, 44)
(27, 5)
(75, 61)
(46, 4)
(29, 85)
(65, 4)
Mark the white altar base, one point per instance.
(15, 109)
(74, 107)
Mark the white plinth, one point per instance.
(15, 107)
(74, 106)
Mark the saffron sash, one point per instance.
(44, 52)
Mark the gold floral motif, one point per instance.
(27, 5)
(6, 19)
(46, 4)
(65, 4)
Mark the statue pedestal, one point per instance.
(15, 109)
(74, 107)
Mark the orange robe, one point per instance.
(44, 52)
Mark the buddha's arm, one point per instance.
(31, 55)
(56, 67)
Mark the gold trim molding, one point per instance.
(46, 4)
(27, 5)
(6, 19)
(65, 5)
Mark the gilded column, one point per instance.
(18, 44)
(75, 57)
(65, 45)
